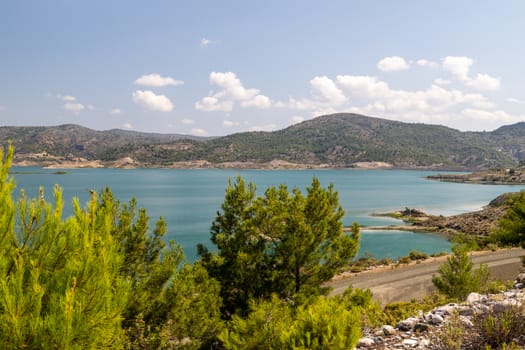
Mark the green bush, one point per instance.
(456, 277)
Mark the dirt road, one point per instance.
(415, 281)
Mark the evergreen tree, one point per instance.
(282, 242)
(60, 285)
(456, 277)
(511, 229)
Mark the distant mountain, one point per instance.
(337, 140)
(73, 140)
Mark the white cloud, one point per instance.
(232, 90)
(499, 116)
(156, 80)
(325, 88)
(213, 104)
(363, 86)
(115, 111)
(484, 82)
(148, 100)
(90, 107)
(199, 132)
(127, 126)
(229, 123)
(258, 101)
(459, 66)
(266, 127)
(187, 121)
(429, 64)
(73, 107)
(393, 63)
(513, 100)
(206, 42)
(297, 119)
(67, 98)
(440, 81)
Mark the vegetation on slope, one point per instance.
(337, 140)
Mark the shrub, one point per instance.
(456, 277)
(417, 255)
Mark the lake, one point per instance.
(189, 199)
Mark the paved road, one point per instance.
(415, 281)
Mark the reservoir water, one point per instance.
(189, 199)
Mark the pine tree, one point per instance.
(456, 277)
(284, 243)
(60, 286)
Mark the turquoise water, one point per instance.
(189, 199)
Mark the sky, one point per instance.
(212, 68)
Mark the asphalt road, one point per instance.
(415, 281)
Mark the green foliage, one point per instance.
(361, 303)
(98, 279)
(511, 230)
(490, 330)
(282, 242)
(323, 324)
(417, 255)
(60, 281)
(456, 277)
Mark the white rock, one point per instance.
(474, 298)
(365, 342)
(408, 324)
(503, 305)
(410, 342)
(388, 330)
(465, 321)
(520, 278)
(437, 319)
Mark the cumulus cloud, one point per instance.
(484, 82)
(231, 91)
(440, 81)
(459, 66)
(325, 88)
(370, 95)
(115, 111)
(73, 107)
(230, 123)
(393, 63)
(492, 116)
(127, 126)
(258, 101)
(148, 100)
(425, 63)
(199, 132)
(187, 121)
(156, 80)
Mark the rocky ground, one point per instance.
(437, 329)
(479, 223)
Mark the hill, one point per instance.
(337, 140)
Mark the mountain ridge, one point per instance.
(335, 140)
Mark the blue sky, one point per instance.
(219, 67)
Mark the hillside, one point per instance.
(337, 140)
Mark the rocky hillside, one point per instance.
(337, 140)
